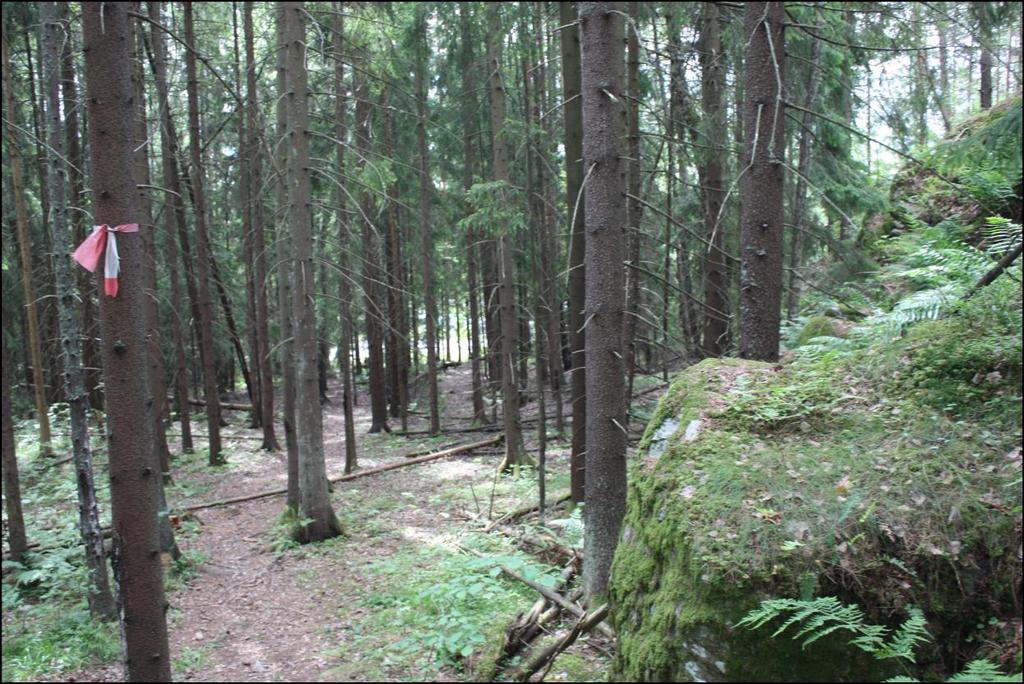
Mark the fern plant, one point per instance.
(1001, 235)
(823, 616)
(826, 615)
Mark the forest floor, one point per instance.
(408, 593)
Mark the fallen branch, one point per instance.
(650, 389)
(359, 473)
(520, 512)
(997, 270)
(525, 628)
(223, 405)
(556, 598)
(564, 640)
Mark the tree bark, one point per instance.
(572, 112)
(157, 382)
(318, 521)
(174, 214)
(397, 369)
(426, 239)
(202, 261)
(259, 247)
(635, 209)
(374, 310)
(604, 124)
(100, 598)
(133, 479)
(982, 14)
(14, 160)
(509, 322)
(284, 273)
(344, 240)
(16, 537)
(800, 205)
(468, 123)
(69, 94)
(761, 225)
(247, 151)
(716, 283)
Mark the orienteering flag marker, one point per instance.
(88, 253)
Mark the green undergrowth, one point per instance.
(43, 644)
(430, 607)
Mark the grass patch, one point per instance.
(192, 658)
(47, 642)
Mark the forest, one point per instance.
(478, 341)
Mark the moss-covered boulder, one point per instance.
(757, 480)
(820, 326)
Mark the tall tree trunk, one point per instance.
(14, 160)
(468, 121)
(285, 282)
(982, 13)
(397, 372)
(942, 97)
(318, 521)
(761, 226)
(514, 455)
(261, 363)
(716, 283)
(245, 201)
(157, 381)
(800, 205)
(604, 123)
(47, 318)
(69, 94)
(100, 598)
(426, 239)
(174, 213)
(344, 239)
(202, 260)
(374, 309)
(16, 537)
(133, 479)
(572, 112)
(635, 209)
(548, 202)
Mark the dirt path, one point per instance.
(258, 609)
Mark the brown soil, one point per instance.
(254, 613)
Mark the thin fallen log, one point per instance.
(556, 598)
(223, 436)
(223, 405)
(996, 270)
(525, 628)
(463, 448)
(520, 512)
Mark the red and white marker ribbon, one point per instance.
(88, 253)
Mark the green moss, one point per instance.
(569, 667)
(850, 496)
(819, 326)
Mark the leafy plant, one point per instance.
(820, 617)
(823, 616)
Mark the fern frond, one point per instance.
(983, 671)
(1001, 235)
(826, 615)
